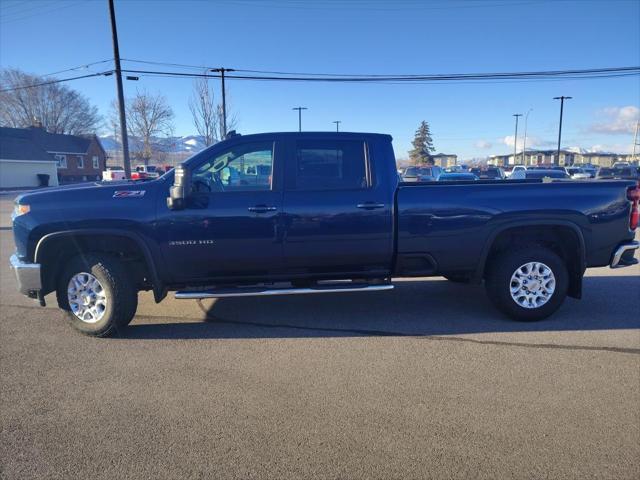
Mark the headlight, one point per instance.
(20, 209)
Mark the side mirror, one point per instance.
(181, 188)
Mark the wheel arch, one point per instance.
(568, 233)
(130, 242)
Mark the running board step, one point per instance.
(255, 292)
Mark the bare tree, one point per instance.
(58, 108)
(148, 117)
(206, 114)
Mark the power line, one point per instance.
(86, 65)
(420, 76)
(39, 11)
(51, 82)
(569, 74)
(584, 74)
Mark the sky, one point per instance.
(358, 37)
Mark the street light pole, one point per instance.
(337, 122)
(123, 118)
(299, 109)
(515, 140)
(562, 99)
(221, 71)
(524, 144)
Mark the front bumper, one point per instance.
(623, 256)
(27, 276)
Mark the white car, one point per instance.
(516, 168)
(112, 174)
(578, 173)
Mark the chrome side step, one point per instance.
(255, 292)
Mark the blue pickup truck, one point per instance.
(305, 213)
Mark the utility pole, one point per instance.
(299, 116)
(635, 142)
(515, 140)
(562, 99)
(524, 144)
(123, 117)
(221, 71)
(337, 122)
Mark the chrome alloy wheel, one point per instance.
(87, 298)
(532, 285)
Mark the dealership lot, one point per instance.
(423, 381)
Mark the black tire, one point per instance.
(504, 265)
(458, 278)
(120, 291)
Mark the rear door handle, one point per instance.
(262, 209)
(370, 205)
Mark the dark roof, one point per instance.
(17, 144)
(33, 143)
(56, 142)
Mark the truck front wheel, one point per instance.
(98, 295)
(527, 283)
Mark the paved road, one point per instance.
(425, 381)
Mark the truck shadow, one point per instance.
(414, 308)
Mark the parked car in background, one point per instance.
(621, 164)
(422, 174)
(590, 169)
(456, 176)
(628, 172)
(605, 173)
(489, 173)
(113, 173)
(577, 173)
(514, 168)
(144, 172)
(538, 173)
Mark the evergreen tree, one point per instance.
(422, 144)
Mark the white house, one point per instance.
(21, 160)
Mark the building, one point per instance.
(599, 158)
(444, 160)
(27, 152)
(534, 157)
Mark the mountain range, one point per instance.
(188, 144)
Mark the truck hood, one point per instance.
(78, 190)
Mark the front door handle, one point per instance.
(262, 209)
(370, 205)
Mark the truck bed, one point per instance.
(454, 222)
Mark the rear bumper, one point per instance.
(27, 276)
(623, 256)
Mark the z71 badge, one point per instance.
(128, 193)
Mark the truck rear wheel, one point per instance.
(98, 294)
(527, 283)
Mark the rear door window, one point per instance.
(330, 165)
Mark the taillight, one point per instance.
(633, 194)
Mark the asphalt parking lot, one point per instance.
(425, 381)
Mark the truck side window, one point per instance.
(244, 167)
(322, 165)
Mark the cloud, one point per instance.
(532, 142)
(616, 120)
(483, 144)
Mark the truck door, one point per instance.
(337, 209)
(230, 227)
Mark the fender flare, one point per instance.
(533, 223)
(159, 291)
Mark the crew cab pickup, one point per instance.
(307, 213)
